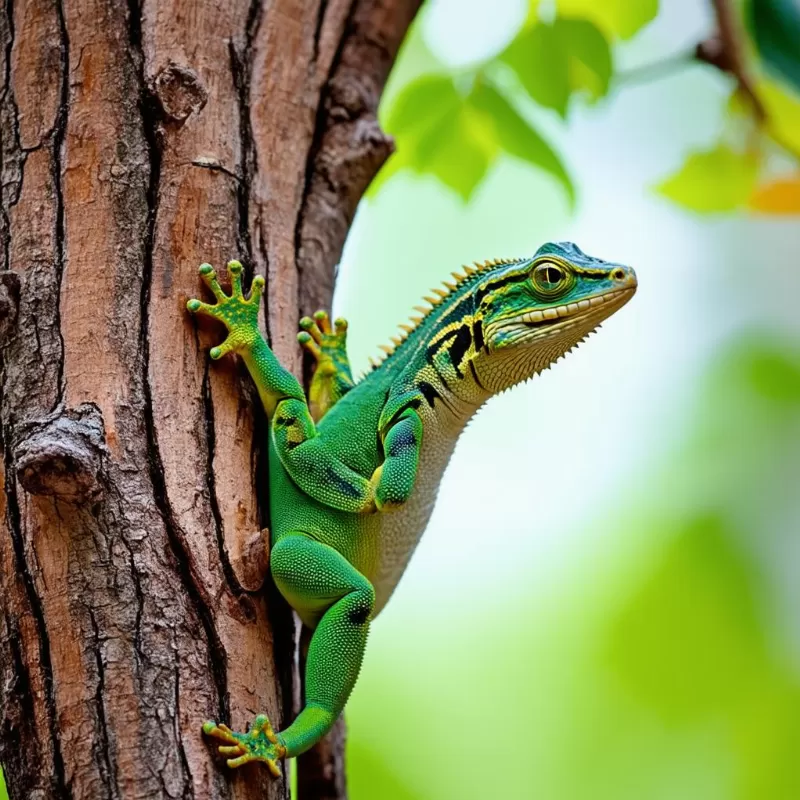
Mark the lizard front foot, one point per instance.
(237, 313)
(259, 744)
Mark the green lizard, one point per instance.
(354, 471)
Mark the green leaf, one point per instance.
(421, 105)
(775, 25)
(782, 108)
(438, 133)
(458, 151)
(421, 118)
(541, 63)
(719, 179)
(783, 112)
(555, 61)
(590, 62)
(616, 18)
(517, 137)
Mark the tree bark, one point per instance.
(139, 140)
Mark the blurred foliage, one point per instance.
(457, 136)
(455, 123)
(776, 30)
(572, 54)
(659, 674)
(753, 166)
(780, 196)
(690, 643)
(662, 663)
(714, 180)
(616, 18)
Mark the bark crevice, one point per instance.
(348, 147)
(188, 790)
(59, 133)
(320, 125)
(321, 9)
(211, 486)
(217, 657)
(11, 169)
(58, 781)
(103, 757)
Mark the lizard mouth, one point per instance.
(541, 318)
(580, 315)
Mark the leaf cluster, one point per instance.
(754, 164)
(455, 123)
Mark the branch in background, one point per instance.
(725, 51)
(656, 70)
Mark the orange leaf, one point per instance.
(778, 197)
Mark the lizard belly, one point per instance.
(401, 530)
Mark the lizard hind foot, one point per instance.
(323, 342)
(327, 345)
(260, 743)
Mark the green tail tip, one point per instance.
(205, 269)
(193, 305)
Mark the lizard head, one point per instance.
(535, 310)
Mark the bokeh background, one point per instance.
(606, 603)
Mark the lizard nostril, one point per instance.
(618, 274)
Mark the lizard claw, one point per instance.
(260, 743)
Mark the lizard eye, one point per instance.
(549, 278)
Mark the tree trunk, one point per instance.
(139, 140)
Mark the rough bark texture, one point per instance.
(137, 142)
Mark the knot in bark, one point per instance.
(713, 51)
(9, 302)
(179, 92)
(352, 154)
(63, 457)
(252, 566)
(350, 96)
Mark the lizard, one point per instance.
(354, 468)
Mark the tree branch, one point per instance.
(724, 50)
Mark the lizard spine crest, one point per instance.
(460, 280)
